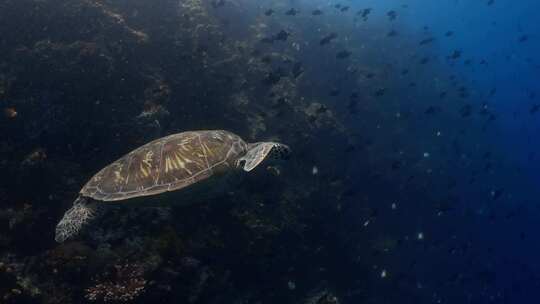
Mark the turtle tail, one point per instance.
(75, 218)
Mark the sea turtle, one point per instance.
(178, 161)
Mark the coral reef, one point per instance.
(126, 284)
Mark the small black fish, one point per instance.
(523, 38)
(442, 95)
(364, 13)
(534, 109)
(455, 55)
(269, 12)
(292, 12)
(317, 12)
(391, 15)
(424, 60)
(431, 110)
(297, 69)
(380, 92)
(427, 41)
(392, 33)
(343, 54)
(344, 9)
(281, 36)
(321, 109)
(370, 75)
(327, 39)
(404, 72)
(449, 33)
(490, 2)
(334, 92)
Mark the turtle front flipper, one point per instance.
(75, 218)
(257, 152)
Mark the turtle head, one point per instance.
(257, 152)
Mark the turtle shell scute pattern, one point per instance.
(166, 164)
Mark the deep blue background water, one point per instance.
(503, 234)
(492, 33)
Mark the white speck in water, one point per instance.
(315, 170)
(438, 133)
(426, 154)
(291, 285)
(394, 206)
(420, 236)
(383, 273)
(366, 223)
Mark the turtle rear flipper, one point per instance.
(75, 218)
(257, 152)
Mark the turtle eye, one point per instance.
(240, 163)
